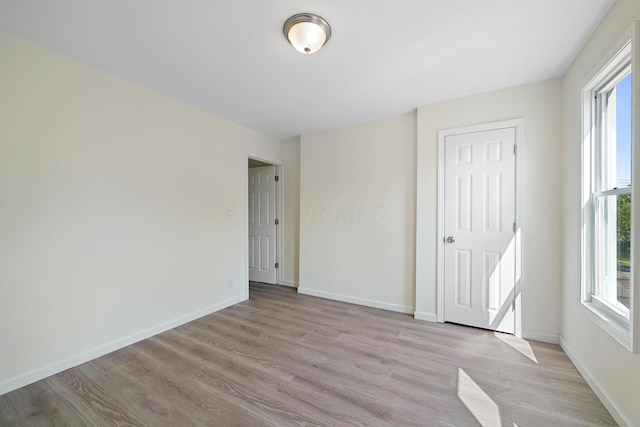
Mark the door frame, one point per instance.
(518, 124)
(279, 211)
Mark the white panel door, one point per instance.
(262, 224)
(479, 217)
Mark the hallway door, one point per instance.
(262, 224)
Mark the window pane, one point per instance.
(623, 132)
(616, 147)
(613, 265)
(623, 217)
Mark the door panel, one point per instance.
(479, 213)
(463, 278)
(262, 226)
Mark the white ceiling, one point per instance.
(385, 57)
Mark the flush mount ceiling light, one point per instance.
(307, 32)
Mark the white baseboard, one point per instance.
(289, 284)
(56, 367)
(356, 300)
(422, 315)
(540, 336)
(595, 386)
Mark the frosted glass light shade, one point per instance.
(307, 37)
(306, 32)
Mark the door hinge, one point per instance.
(515, 150)
(277, 265)
(514, 227)
(277, 221)
(276, 178)
(513, 305)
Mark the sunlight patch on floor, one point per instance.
(518, 344)
(477, 401)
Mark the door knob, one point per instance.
(450, 239)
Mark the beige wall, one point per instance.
(113, 211)
(540, 106)
(357, 213)
(612, 370)
(291, 217)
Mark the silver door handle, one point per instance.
(451, 239)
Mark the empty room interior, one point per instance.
(320, 213)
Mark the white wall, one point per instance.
(540, 106)
(612, 371)
(291, 215)
(357, 219)
(113, 211)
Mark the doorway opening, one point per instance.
(263, 231)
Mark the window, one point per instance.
(607, 263)
(611, 194)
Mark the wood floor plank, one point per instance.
(8, 414)
(141, 400)
(284, 359)
(39, 405)
(252, 370)
(89, 398)
(182, 392)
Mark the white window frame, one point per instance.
(625, 55)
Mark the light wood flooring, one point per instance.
(284, 359)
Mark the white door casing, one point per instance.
(478, 227)
(262, 224)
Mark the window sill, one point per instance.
(610, 325)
